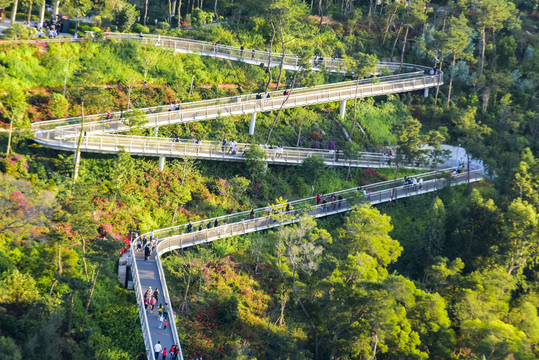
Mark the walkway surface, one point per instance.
(151, 273)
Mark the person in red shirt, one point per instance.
(164, 353)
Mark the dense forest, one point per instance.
(447, 275)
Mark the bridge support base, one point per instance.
(426, 92)
(343, 109)
(252, 125)
(161, 163)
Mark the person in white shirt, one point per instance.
(157, 349)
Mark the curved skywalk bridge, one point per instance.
(248, 56)
(150, 273)
(213, 150)
(63, 134)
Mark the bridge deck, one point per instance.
(236, 224)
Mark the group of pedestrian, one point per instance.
(412, 183)
(147, 244)
(174, 352)
(174, 106)
(201, 226)
(336, 201)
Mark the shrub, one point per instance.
(139, 28)
(163, 25)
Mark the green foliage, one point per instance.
(125, 17)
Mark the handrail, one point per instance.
(347, 194)
(244, 100)
(142, 313)
(280, 217)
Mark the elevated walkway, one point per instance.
(148, 273)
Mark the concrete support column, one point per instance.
(161, 163)
(343, 109)
(426, 92)
(252, 125)
(156, 131)
(265, 168)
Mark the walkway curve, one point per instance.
(178, 237)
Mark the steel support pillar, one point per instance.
(156, 131)
(426, 92)
(343, 109)
(252, 125)
(161, 163)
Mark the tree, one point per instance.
(312, 168)
(14, 11)
(414, 14)
(410, 145)
(14, 103)
(470, 132)
(366, 231)
(493, 15)
(126, 16)
(522, 233)
(457, 44)
(255, 162)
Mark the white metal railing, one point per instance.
(197, 111)
(141, 309)
(214, 150)
(248, 103)
(177, 237)
(374, 193)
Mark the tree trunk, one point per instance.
(269, 57)
(282, 57)
(404, 47)
(29, 12)
(10, 135)
(451, 80)
(84, 259)
(145, 12)
(281, 108)
(56, 9)
(438, 86)
(173, 8)
(52, 287)
(180, 14)
(299, 133)
(14, 12)
(77, 153)
(71, 311)
(483, 45)
(42, 14)
(395, 43)
(89, 300)
(495, 56)
(215, 11)
(389, 25)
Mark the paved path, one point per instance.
(150, 273)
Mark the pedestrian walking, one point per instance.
(156, 295)
(160, 310)
(317, 199)
(151, 236)
(160, 324)
(147, 252)
(253, 54)
(165, 311)
(189, 227)
(157, 349)
(164, 353)
(165, 323)
(241, 51)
